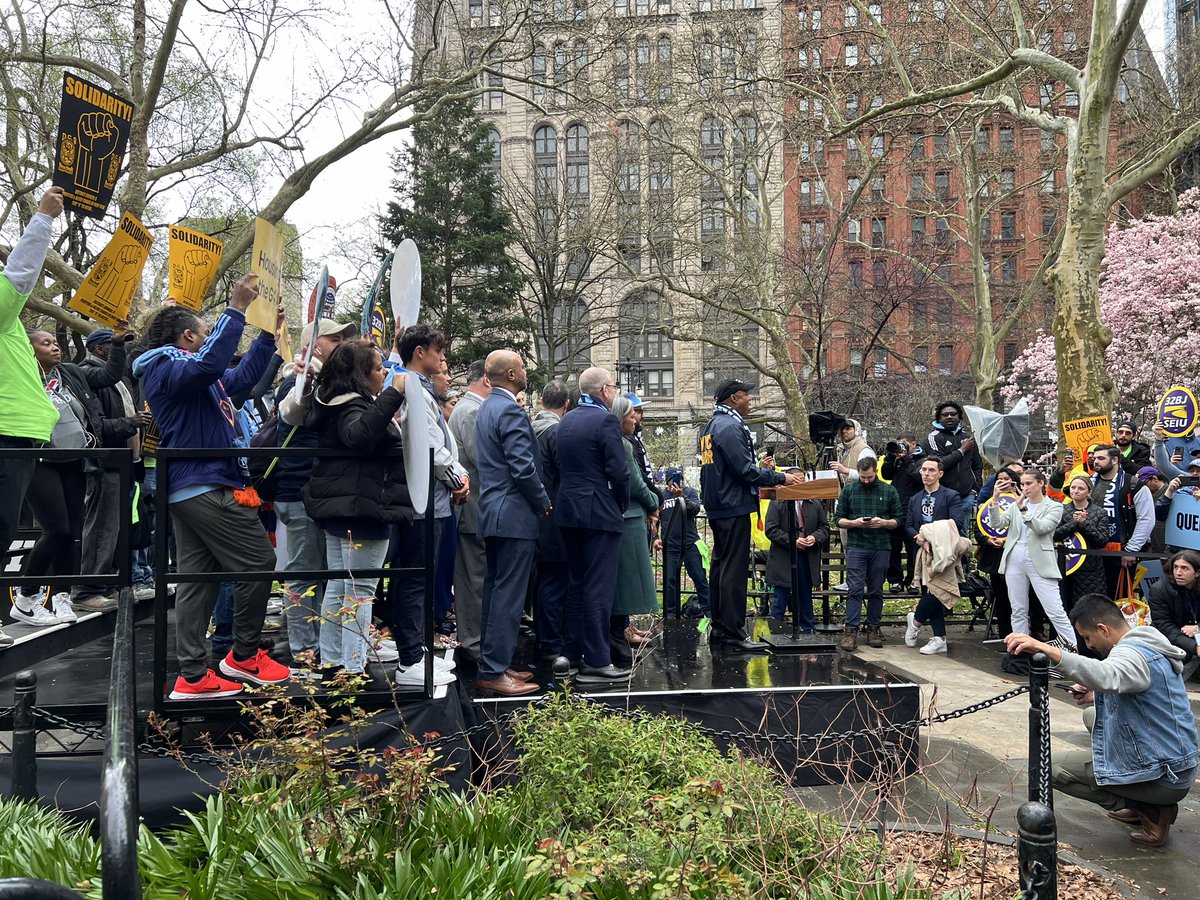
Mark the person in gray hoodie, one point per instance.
(1144, 752)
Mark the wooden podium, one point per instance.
(813, 489)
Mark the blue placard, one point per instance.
(1154, 573)
(1183, 522)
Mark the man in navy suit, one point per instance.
(932, 503)
(592, 495)
(511, 499)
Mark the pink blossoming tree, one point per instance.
(1150, 300)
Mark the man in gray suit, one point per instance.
(511, 500)
(470, 562)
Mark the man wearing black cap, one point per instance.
(729, 483)
(120, 427)
(1134, 454)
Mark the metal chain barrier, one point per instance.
(97, 734)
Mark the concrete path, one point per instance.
(975, 767)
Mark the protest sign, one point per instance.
(193, 261)
(1177, 411)
(1148, 573)
(107, 290)
(266, 261)
(1082, 433)
(1183, 521)
(989, 514)
(1075, 545)
(93, 129)
(326, 309)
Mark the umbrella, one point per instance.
(1000, 436)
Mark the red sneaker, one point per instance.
(259, 668)
(211, 686)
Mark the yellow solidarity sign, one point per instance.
(108, 289)
(193, 261)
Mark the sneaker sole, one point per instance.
(234, 672)
(600, 679)
(932, 652)
(28, 618)
(189, 695)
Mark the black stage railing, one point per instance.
(119, 804)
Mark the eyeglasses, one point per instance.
(613, 386)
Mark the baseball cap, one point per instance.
(325, 328)
(633, 398)
(1145, 473)
(729, 387)
(1193, 464)
(98, 337)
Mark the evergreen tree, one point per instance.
(448, 202)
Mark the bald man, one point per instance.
(511, 500)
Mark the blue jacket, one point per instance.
(511, 495)
(729, 479)
(593, 487)
(188, 393)
(677, 519)
(947, 504)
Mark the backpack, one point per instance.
(264, 469)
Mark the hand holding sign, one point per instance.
(52, 203)
(93, 130)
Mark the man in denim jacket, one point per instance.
(1144, 753)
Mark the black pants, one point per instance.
(591, 586)
(56, 497)
(407, 551)
(901, 571)
(728, 571)
(15, 476)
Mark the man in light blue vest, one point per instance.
(1144, 753)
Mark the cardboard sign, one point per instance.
(93, 129)
(108, 289)
(1082, 433)
(1183, 521)
(1177, 411)
(1149, 572)
(989, 514)
(192, 262)
(266, 261)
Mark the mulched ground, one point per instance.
(968, 868)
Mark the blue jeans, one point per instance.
(694, 563)
(222, 639)
(783, 597)
(865, 569)
(930, 611)
(306, 550)
(346, 608)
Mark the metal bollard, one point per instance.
(24, 745)
(1039, 730)
(1037, 851)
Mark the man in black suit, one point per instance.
(553, 573)
(592, 495)
(511, 500)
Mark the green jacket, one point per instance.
(25, 410)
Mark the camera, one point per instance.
(892, 448)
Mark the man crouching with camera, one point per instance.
(1144, 753)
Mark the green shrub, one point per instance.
(40, 843)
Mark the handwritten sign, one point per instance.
(1082, 433)
(93, 130)
(108, 289)
(1183, 521)
(192, 262)
(266, 261)
(990, 513)
(1177, 411)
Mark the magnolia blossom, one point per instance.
(1150, 300)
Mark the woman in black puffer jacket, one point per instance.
(355, 498)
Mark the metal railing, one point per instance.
(1037, 833)
(119, 806)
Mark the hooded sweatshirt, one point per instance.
(854, 451)
(188, 394)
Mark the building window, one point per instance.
(920, 360)
(851, 55)
(853, 149)
(1008, 269)
(877, 146)
(876, 11)
(941, 185)
(809, 18)
(475, 12)
(812, 235)
(880, 367)
(878, 232)
(914, 11)
(1008, 180)
(985, 226)
(1047, 181)
(1071, 99)
(493, 141)
(850, 18)
(854, 231)
(1007, 142)
(641, 55)
(662, 62)
(853, 183)
(659, 157)
(918, 230)
(1046, 41)
(941, 144)
(643, 343)
(1070, 41)
(945, 358)
(983, 140)
(943, 230)
(878, 273)
(856, 273)
(621, 70)
(918, 144)
(545, 158)
(1008, 225)
(916, 190)
(939, 10)
(1049, 223)
(1049, 145)
(538, 73)
(878, 188)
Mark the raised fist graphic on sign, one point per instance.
(97, 136)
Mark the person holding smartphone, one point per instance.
(868, 509)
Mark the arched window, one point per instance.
(644, 71)
(621, 70)
(578, 172)
(659, 154)
(545, 160)
(643, 343)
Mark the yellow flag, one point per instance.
(108, 289)
(192, 262)
(266, 261)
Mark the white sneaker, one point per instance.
(143, 591)
(36, 614)
(63, 611)
(843, 587)
(379, 653)
(913, 632)
(274, 606)
(936, 645)
(415, 675)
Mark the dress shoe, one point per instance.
(739, 645)
(1156, 822)
(518, 675)
(505, 685)
(601, 674)
(635, 637)
(1125, 816)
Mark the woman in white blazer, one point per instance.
(1029, 558)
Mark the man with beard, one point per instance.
(1130, 508)
(1134, 454)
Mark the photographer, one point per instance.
(1144, 755)
(901, 460)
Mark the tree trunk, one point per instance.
(795, 405)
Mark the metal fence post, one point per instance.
(1037, 851)
(1039, 730)
(24, 745)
